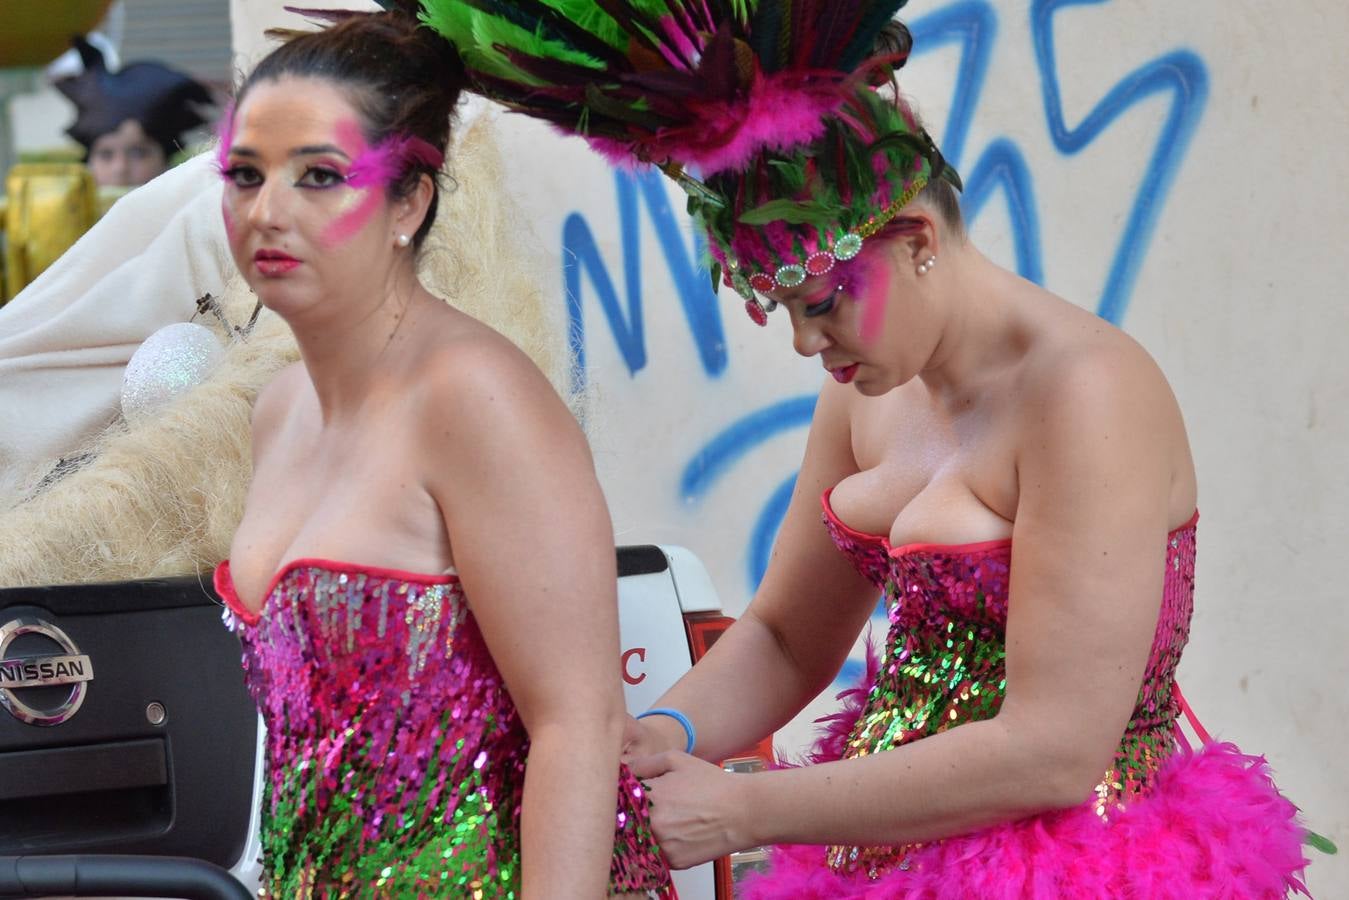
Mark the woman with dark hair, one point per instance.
(1010, 470)
(424, 576)
(131, 122)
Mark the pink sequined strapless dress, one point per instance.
(395, 759)
(1165, 821)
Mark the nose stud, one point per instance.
(927, 265)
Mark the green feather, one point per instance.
(652, 9)
(631, 113)
(865, 32)
(857, 163)
(908, 143)
(784, 55)
(952, 177)
(588, 15)
(793, 212)
(790, 177)
(1320, 842)
(478, 35)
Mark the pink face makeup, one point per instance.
(367, 167)
(869, 285)
(231, 230)
(372, 170)
(357, 209)
(224, 139)
(382, 164)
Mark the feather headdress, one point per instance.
(765, 111)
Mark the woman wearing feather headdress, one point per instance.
(1011, 471)
(417, 673)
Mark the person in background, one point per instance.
(132, 121)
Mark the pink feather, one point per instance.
(387, 161)
(870, 278)
(781, 113)
(834, 729)
(1213, 825)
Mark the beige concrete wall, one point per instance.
(1238, 289)
(251, 18)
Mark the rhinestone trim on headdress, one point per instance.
(792, 275)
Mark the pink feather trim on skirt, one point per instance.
(1214, 825)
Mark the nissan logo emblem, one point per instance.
(23, 673)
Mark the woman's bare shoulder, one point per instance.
(483, 407)
(1091, 391)
(467, 373)
(464, 361)
(1081, 358)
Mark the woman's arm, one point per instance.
(533, 546)
(797, 631)
(1095, 476)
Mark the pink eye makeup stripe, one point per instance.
(358, 206)
(373, 168)
(872, 285)
(387, 160)
(224, 139)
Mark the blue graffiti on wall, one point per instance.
(580, 254)
(972, 25)
(1182, 75)
(717, 456)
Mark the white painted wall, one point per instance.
(41, 118)
(1239, 293)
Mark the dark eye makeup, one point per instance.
(243, 176)
(313, 177)
(321, 177)
(824, 306)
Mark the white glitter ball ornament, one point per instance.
(171, 362)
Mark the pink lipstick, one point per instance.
(273, 263)
(844, 375)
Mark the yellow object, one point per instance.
(49, 205)
(35, 32)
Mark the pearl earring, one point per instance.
(927, 265)
(404, 240)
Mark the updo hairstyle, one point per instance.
(403, 79)
(896, 41)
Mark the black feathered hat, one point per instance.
(164, 101)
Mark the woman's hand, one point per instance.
(698, 810)
(650, 736)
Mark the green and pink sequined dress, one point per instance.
(1165, 820)
(395, 758)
